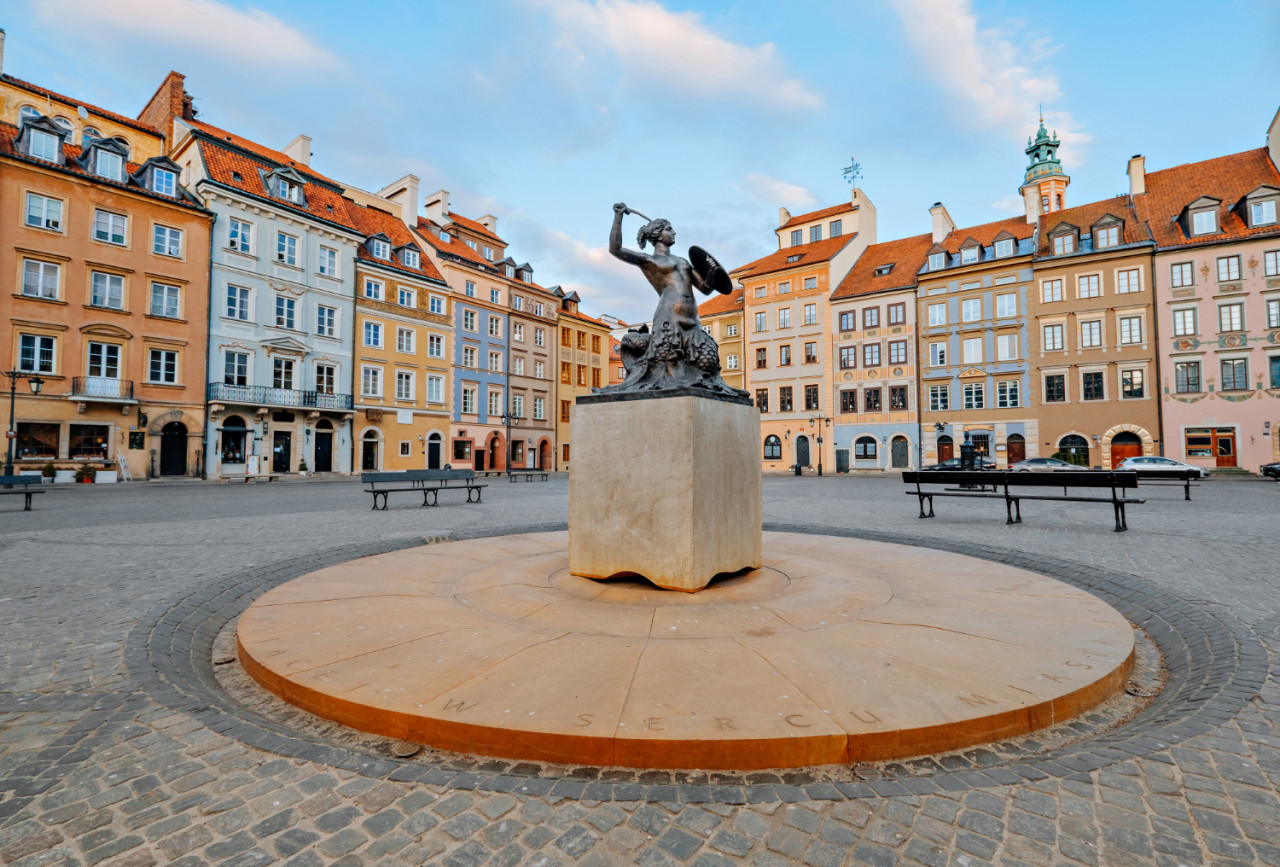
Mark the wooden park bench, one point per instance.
(8, 483)
(430, 482)
(1008, 485)
(516, 473)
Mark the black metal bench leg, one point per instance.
(27, 507)
(1008, 508)
(1017, 505)
(1121, 524)
(435, 497)
(922, 514)
(470, 491)
(1186, 491)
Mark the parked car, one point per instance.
(1155, 463)
(954, 464)
(1271, 470)
(1043, 464)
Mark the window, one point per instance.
(937, 354)
(1273, 313)
(435, 346)
(539, 337)
(1052, 338)
(937, 261)
(1051, 290)
(1091, 334)
(404, 385)
(731, 362)
(164, 182)
(380, 249)
(835, 228)
(469, 320)
(864, 448)
(1181, 274)
(784, 288)
(43, 145)
(286, 249)
(938, 314)
(106, 290)
(871, 355)
(324, 378)
(35, 353)
(1127, 281)
(373, 334)
(1186, 377)
(897, 314)
(326, 321)
(566, 337)
(108, 165)
(1092, 383)
(373, 289)
(517, 366)
(166, 241)
(1131, 384)
(1006, 347)
(761, 291)
(89, 440)
(495, 362)
(469, 401)
(968, 255)
(871, 317)
(517, 302)
(282, 374)
(40, 279)
(539, 370)
(898, 352)
(811, 282)
(971, 309)
(371, 381)
(1235, 374)
(939, 398)
(1004, 247)
(974, 395)
(236, 368)
(815, 233)
(435, 389)
(495, 295)
(405, 340)
(410, 258)
(1274, 361)
(848, 357)
(240, 235)
(566, 373)
(288, 190)
(810, 315)
(797, 236)
(1063, 244)
(237, 303)
(762, 399)
(104, 360)
(772, 448)
(1204, 222)
(1184, 322)
(972, 350)
(897, 397)
(784, 398)
(164, 300)
(1228, 268)
(784, 355)
(761, 323)
(328, 262)
(469, 356)
(581, 339)
(1006, 305)
(1130, 329)
(1231, 317)
(784, 317)
(871, 400)
(564, 410)
(495, 326)
(811, 397)
(407, 297)
(109, 227)
(731, 331)
(848, 320)
(470, 289)
(1055, 388)
(811, 353)
(285, 308)
(1088, 286)
(495, 402)
(44, 212)
(162, 366)
(1106, 237)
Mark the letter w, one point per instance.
(975, 700)
(460, 706)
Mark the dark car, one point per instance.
(1271, 470)
(954, 464)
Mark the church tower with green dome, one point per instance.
(1044, 186)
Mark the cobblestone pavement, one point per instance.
(116, 746)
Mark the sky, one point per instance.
(546, 112)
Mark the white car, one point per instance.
(1042, 464)
(1155, 463)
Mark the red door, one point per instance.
(1017, 448)
(946, 451)
(1224, 446)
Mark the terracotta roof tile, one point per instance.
(75, 103)
(371, 221)
(1084, 216)
(818, 215)
(719, 304)
(474, 226)
(1228, 178)
(429, 230)
(985, 234)
(574, 314)
(810, 254)
(269, 154)
(906, 256)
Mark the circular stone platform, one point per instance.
(836, 650)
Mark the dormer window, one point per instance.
(380, 249)
(444, 236)
(509, 270)
(524, 276)
(1204, 222)
(795, 258)
(410, 258)
(288, 190)
(1262, 213)
(108, 165)
(969, 255)
(1004, 247)
(884, 270)
(937, 261)
(1064, 243)
(488, 253)
(43, 145)
(1105, 236)
(472, 245)
(164, 182)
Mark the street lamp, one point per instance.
(508, 420)
(819, 420)
(36, 383)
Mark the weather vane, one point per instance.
(852, 172)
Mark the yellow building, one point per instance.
(582, 363)
(722, 318)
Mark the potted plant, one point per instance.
(47, 472)
(85, 474)
(302, 467)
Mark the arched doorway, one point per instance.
(864, 449)
(772, 448)
(899, 451)
(173, 449)
(494, 453)
(1125, 444)
(1074, 449)
(324, 446)
(544, 455)
(370, 451)
(233, 440)
(435, 446)
(802, 450)
(1016, 448)
(946, 448)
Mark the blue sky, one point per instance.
(545, 112)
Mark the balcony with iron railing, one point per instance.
(266, 396)
(101, 388)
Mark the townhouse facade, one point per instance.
(721, 317)
(874, 358)
(107, 253)
(785, 312)
(584, 366)
(1093, 338)
(531, 371)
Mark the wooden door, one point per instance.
(1224, 446)
(898, 453)
(946, 449)
(1125, 445)
(1016, 449)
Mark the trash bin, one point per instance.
(796, 467)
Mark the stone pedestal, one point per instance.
(666, 488)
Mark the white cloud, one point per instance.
(773, 191)
(250, 38)
(1009, 204)
(675, 54)
(1001, 81)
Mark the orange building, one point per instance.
(583, 363)
(721, 316)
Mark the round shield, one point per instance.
(713, 274)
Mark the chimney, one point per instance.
(490, 222)
(783, 216)
(404, 193)
(943, 225)
(299, 149)
(1, 51)
(167, 103)
(437, 206)
(1137, 174)
(1273, 131)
